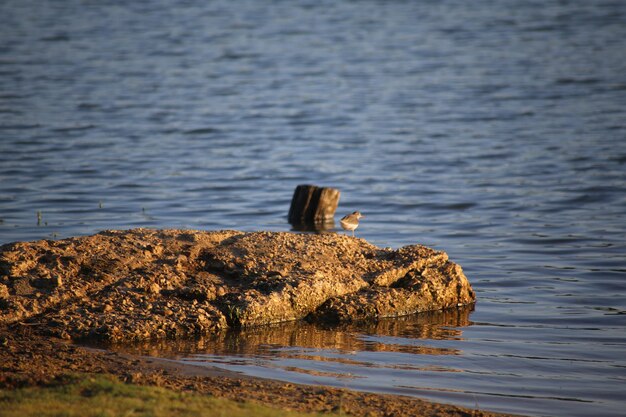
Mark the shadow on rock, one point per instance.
(145, 284)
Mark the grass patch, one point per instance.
(104, 396)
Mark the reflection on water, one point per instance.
(417, 355)
(306, 353)
(344, 339)
(318, 227)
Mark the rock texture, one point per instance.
(152, 284)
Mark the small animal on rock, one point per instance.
(351, 221)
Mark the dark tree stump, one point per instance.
(311, 204)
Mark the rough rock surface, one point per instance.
(151, 284)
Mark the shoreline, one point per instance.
(31, 360)
(143, 285)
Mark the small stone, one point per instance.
(56, 281)
(4, 292)
(181, 260)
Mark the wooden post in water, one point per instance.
(312, 205)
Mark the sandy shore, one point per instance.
(28, 359)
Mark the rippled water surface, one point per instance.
(492, 130)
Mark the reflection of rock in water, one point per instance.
(318, 227)
(344, 338)
(148, 284)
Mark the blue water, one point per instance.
(493, 130)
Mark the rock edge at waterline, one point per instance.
(145, 284)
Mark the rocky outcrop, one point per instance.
(151, 284)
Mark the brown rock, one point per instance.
(4, 292)
(154, 288)
(195, 283)
(56, 281)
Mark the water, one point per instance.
(492, 130)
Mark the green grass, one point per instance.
(101, 396)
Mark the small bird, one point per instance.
(351, 221)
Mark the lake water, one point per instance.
(493, 130)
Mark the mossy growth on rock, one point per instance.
(146, 284)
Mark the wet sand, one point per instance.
(28, 359)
